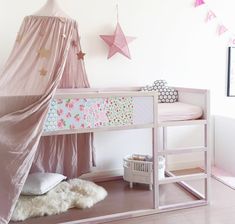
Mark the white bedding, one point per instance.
(178, 112)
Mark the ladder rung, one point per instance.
(182, 123)
(182, 150)
(175, 179)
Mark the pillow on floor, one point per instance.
(41, 183)
(166, 93)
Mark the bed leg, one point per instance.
(131, 185)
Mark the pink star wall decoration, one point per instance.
(199, 2)
(118, 42)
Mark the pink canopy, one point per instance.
(44, 57)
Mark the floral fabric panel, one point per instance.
(81, 113)
(120, 111)
(67, 114)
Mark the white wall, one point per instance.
(173, 43)
(224, 144)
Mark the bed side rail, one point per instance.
(199, 97)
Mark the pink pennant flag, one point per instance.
(199, 2)
(222, 29)
(231, 42)
(210, 15)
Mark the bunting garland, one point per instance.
(210, 16)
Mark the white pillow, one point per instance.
(166, 94)
(41, 183)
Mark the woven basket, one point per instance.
(136, 171)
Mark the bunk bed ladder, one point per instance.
(181, 179)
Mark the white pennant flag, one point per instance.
(210, 15)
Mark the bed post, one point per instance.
(208, 148)
(165, 147)
(155, 138)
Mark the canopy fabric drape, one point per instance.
(70, 155)
(40, 57)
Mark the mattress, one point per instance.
(90, 113)
(178, 112)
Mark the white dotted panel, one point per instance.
(51, 120)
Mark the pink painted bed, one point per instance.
(93, 110)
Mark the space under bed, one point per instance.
(92, 110)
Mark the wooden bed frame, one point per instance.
(192, 96)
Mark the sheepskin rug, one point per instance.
(75, 193)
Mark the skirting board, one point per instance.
(106, 175)
(224, 177)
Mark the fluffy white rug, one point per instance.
(75, 193)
